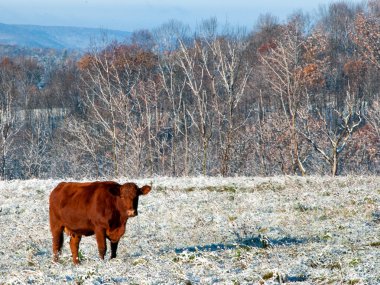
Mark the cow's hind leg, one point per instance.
(74, 246)
(57, 233)
(101, 240)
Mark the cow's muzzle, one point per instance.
(132, 213)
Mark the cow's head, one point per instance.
(130, 193)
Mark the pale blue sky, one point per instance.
(130, 15)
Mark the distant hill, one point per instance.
(56, 37)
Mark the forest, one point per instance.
(297, 97)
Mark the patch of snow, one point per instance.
(208, 230)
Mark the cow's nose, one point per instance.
(131, 213)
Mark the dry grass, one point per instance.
(209, 231)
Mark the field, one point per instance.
(278, 230)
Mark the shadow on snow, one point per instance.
(252, 242)
(257, 241)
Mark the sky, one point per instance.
(131, 15)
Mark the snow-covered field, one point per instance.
(202, 230)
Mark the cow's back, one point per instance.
(69, 195)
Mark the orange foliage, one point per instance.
(366, 140)
(6, 62)
(131, 56)
(367, 37)
(354, 68)
(265, 48)
(85, 62)
(121, 57)
(311, 75)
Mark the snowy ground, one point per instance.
(209, 231)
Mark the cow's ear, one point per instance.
(145, 189)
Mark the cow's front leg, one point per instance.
(114, 248)
(101, 240)
(74, 246)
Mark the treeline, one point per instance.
(296, 98)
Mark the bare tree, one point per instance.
(193, 63)
(282, 61)
(336, 134)
(10, 125)
(373, 117)
(35, 151)
(173, 86)
(112, 82)
(229, 76)
(83, 138)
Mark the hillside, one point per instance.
(278, 230)
(55, 37)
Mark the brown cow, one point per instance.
(100, 208)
